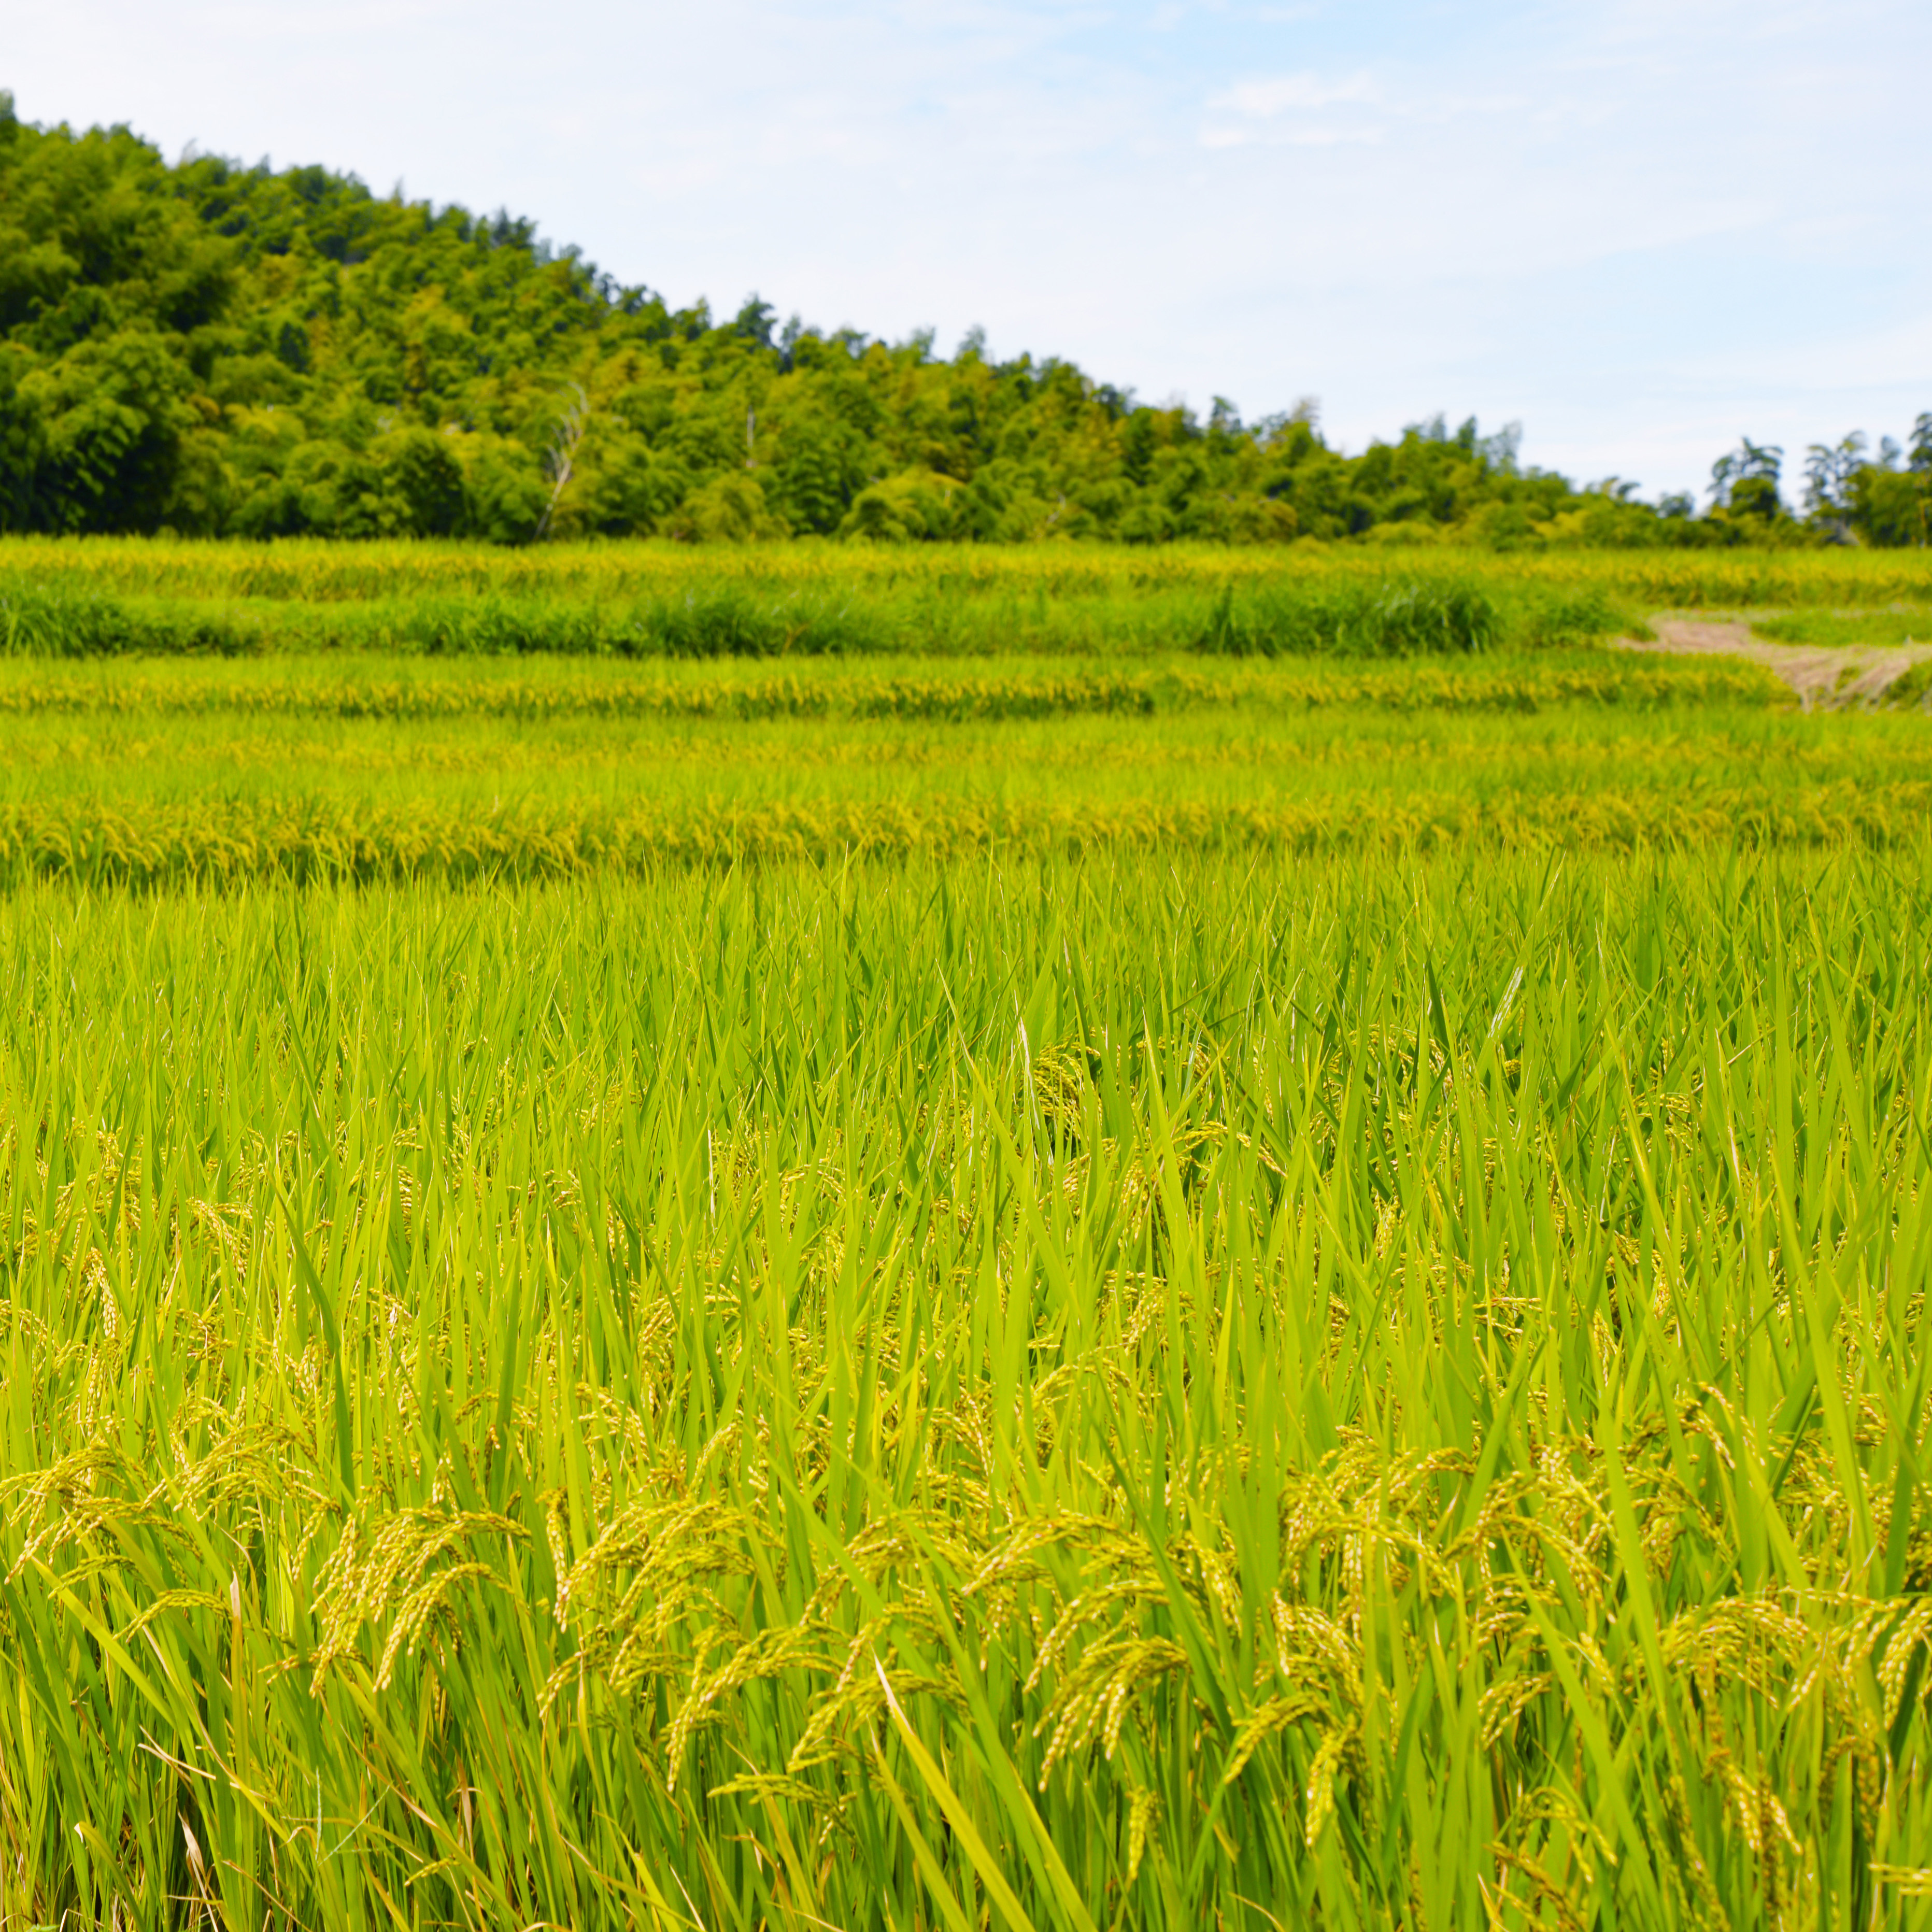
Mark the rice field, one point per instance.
(313, 571)
(156, 773)
(108, 597)
(1109, 1289)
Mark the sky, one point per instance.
(1641, 228)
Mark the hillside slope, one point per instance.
(227, 350)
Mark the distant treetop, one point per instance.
(223, 349)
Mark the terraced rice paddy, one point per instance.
(301, 769)
(1112, 1289)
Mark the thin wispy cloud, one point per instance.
(1297, 109)
(1264, 100)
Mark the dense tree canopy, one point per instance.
(217, 349)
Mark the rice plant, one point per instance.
(1385, 1391)
(1141, 1242)
(147, 844)
(1020, 577)
(664, 600)
(381, 688)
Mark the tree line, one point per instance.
(218, 349)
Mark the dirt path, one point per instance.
(1828, 674)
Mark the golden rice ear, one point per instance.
(609, 1413)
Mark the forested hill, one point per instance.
(222, 350)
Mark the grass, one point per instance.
(941, 577)
(1396, 617)
(150, 772)
(406, 689)
(1886, 628)
(1170, 1393)
(1035, 1277)
(114, 598)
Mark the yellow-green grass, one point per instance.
(371, 685)
(1162, 1393)
(725, 615)
(299, 841)
(1885, 627)
(311, 570)
(180, 770)
(661, 600)
(1209, 757)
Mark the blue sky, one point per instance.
(1641, 227)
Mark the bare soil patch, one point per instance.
(1831, 675)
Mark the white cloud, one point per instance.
(1633, 225)
(1262, 99)
(1294, 110)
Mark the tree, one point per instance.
(1747, 479)
(22, 441)
(1830, 475)
(113, 412)
(224, 349)
(1887, 506)
(1920, 462)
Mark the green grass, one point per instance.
(1387, 617)
(661, 600)
(1154, 1394)
(942, 576)
(370, 686)
(152, 772)
(1885, 628)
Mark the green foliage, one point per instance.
(1890, 507)
(1852, 496)
(1571, 616)
(222, 350)
(1400, 618)
(1756, 497)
